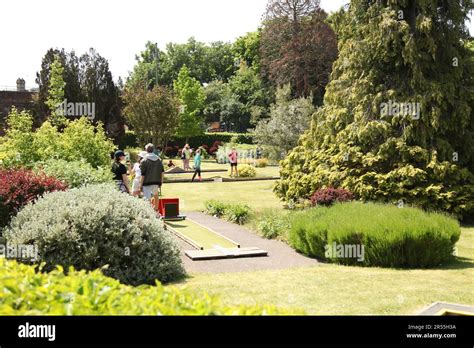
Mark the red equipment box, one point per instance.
(168, 208)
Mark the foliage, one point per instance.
(191, 95)
(391, 236)
(273, 224)
(247, 49)
(424, 157)
(92, 293)
(288, 121)
(56, 92)
(237, 213)
(22, 146)
(246, 171)
(87, 80)
(74, 173)
(298, 47)
(215, 208)
(97, 225)
(329, 196)
(153, 114)
(206, 62)
(19, 187)
(261, 163)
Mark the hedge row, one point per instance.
(130, 140)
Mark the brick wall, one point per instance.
(21, 100)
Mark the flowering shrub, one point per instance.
(18, 187)
(330, 195)
(213, 149)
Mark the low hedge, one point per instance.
(94, 226)
(208, 139)
(391, 236)
(23, 292)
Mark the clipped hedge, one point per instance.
(391, 236)
(94, 226)
(81, 293)
(208, 139)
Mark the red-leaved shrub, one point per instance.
(329, 196)
(20, 186)
(213, 149)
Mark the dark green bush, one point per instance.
(391, 236)
(27, 292)
(94, 226)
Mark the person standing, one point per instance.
(197, 165)
(152, 171)
(186, 156)
(137, 174)
(120, 172)
(233, 158)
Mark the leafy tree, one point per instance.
(403, 54)
(248, 91)
(247, 48)
(288, 120)
(56, 93)
(297, 47)
(191, 95)
(153, 114)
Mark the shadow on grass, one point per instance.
(459, 263)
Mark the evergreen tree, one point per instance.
(397, 121)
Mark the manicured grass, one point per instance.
(200, 235)
(343, 290)
(265, 172)
(256, 194)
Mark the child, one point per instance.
(138, 174)
(233, 158)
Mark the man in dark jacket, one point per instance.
(152, 173)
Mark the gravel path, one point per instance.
(280, 255)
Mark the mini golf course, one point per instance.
(208, 244)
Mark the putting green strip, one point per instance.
(201, 235)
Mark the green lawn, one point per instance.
(340, 290)
(257, 194)
(272, 171)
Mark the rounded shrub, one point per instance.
(246, 171)
(94, 226)
(20, 186)
(375, 235)
(329, 196)
(237, 213)
(75, 173)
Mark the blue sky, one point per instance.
(117, 29)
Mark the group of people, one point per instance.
(148, 171)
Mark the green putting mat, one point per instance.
(200, 235)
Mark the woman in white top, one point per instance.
(137, 174)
